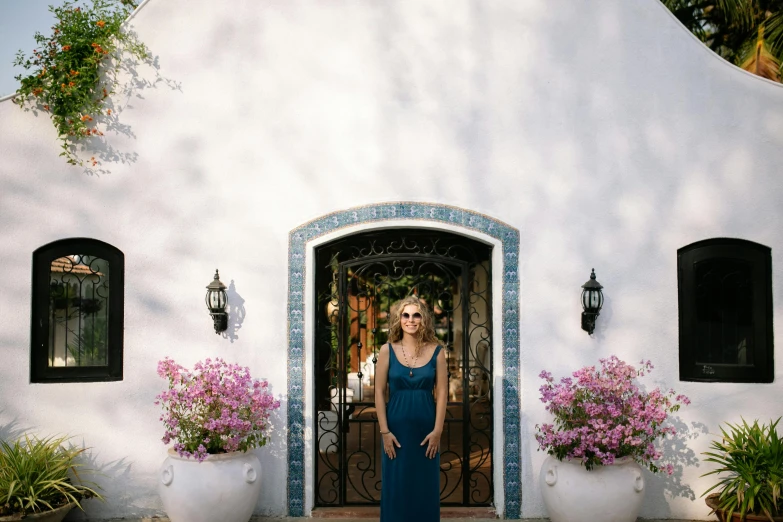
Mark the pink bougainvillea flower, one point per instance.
(216, 408)
(602, 415)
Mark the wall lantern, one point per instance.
(216, 303)
(592, 301)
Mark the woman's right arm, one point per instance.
(381, 379)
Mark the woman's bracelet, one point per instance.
(385, 432)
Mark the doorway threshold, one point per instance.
(374, 512)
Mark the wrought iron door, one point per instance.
(358, 279)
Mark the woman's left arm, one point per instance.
(441, 397)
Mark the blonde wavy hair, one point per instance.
(426, 332)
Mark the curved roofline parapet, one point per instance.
(135, 11)
(710, 51)
(659, 3)
(130, 17)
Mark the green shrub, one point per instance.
(36, 475)
(751, 459)
(73, 70)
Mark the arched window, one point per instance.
(725, 304)
(77, 316)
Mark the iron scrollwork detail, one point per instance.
(359, 278)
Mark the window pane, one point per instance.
(78, 311)
(724, 312)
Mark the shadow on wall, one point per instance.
(660, 489)
(274, 462)
(604, 319)
(236, 313)
(11, 431)
(133, 77)
(113, 479)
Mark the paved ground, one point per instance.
(289, 519)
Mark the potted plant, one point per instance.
(39, 479)
(214, 415)
(605, 428)
(750, 457)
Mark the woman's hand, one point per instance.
(389, 441)
(433, 444)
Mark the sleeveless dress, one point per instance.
(410, 487)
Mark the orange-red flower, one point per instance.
(71, 84)
(46, 107)
(108, 112)
(66, 47)
(100, 23)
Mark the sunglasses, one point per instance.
(416, 316)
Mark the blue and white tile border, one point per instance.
(453, 216)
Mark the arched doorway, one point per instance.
(357, 278)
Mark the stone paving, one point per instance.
(305, 519)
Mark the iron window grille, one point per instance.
(77, 312)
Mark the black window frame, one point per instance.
(759, 258)
(40, 371)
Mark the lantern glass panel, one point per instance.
(592, 300)
(217, 299)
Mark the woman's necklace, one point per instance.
(410, 366)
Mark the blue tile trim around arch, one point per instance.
(297, 244)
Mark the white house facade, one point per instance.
(544, 138)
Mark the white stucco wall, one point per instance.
(601, 129)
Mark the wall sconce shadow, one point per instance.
(236, 313)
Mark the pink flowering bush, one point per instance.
(217, 408)
(602, 415)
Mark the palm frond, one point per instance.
(761, 61)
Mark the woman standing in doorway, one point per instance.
(412, 363)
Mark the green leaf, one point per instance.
(751, 458)
(37, 474)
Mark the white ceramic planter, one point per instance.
(607, 493)
(224, 487)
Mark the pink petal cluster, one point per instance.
(602, 415)
(217, 408)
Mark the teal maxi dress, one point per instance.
(410, 487)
